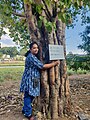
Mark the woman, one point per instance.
(30, 83)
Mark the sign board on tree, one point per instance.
(56, 52)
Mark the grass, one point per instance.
(72, 72)
(16, 73)
(11, 64)
(15, 63)
(11, 73)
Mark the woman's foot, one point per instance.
(32, 118)
(29, 117)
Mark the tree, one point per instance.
(75, 61)
(1, 54)
(12, 51)
(46, 21)
(23, 51)
(86, 40)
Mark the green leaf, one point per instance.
(48, 2)
(39, 9)
(39, 23)
(41, 17)
(49, 26)
(28, 1)
(61, 3)
(78, 2)
(76, 5)
(62, 16)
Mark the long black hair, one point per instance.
(30, 47)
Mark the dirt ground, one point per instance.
(11, 99)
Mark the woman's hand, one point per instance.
(56, 62)
(52, 64)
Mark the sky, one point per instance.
(73, 39)
(6, 40)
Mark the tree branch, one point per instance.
(55, 10)
(18, 14)
(48, 12)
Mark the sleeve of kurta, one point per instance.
(37, 62)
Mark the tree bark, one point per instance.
(31, 22)
(53, 90)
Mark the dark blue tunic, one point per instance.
(31, 72)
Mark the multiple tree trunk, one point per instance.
(54, 99)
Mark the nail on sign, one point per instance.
(56, 52)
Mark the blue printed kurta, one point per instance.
(32, 70)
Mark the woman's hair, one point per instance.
(30, 46)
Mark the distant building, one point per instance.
(6, 56)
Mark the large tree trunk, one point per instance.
(54, 99)
(64, 81)
(31, 22)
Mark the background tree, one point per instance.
(76, 62)
(86, 40)
(1, 54)
(23, 51)
(12, 51)
(46, 21)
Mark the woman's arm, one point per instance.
(46, 66)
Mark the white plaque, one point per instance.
(56, 52)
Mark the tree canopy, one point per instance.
(12, 15)
(12, 51)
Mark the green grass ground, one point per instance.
(11, 73)
(13, 63)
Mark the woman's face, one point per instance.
(34, 49)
